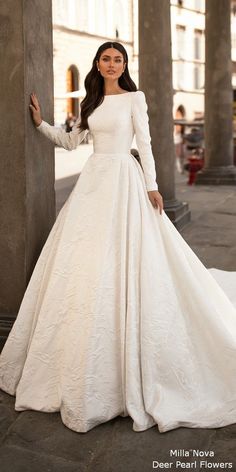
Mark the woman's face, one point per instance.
(111, 63)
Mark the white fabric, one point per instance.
(120, 316)
(116, 133)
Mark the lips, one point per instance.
(111, 72)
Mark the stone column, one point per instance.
(219, 168)
(27, 199)
(155, 79)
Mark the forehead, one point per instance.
(112, 52)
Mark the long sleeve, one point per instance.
(143, 138)
(59, 136)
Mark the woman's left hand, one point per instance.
(156, 199)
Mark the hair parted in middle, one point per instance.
(94, 83)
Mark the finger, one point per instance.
(36, 107)
(32, 107)
(35, 100)
(160, 205)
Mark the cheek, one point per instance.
(119, 67)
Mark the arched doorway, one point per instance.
(72, 84)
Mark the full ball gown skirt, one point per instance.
(120, 317)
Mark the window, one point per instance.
(180, 30)
(181, 75)
(198, 44)
(198, 76)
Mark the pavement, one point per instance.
(38, 442)
(211, 232)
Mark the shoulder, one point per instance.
(138, 99)
(138, 95)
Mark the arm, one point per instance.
(143, 139)
(59, 136)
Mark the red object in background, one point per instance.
(195, 164)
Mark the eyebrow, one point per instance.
(106, 55)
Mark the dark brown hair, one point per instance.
(94, 84)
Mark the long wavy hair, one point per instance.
(94, 84)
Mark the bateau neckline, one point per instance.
(116, 94)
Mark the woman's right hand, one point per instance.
(35, 110)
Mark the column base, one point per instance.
(6, 323)
(222, 175)
(178, 212)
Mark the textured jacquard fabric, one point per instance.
(120, 317)
(113, 131)
(69, 140)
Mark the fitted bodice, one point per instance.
(111, 124)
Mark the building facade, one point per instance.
(81, 26)
(188, 55)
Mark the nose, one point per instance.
(111, 63)
(111, 67)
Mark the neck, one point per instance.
(111, 87)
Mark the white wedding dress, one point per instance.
(120, 316)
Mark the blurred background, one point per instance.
(80, 26)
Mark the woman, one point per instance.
(120, 317)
